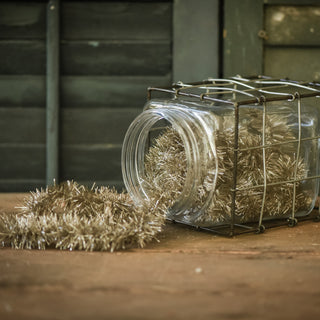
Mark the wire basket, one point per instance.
(238, 94)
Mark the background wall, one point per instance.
(110, 52)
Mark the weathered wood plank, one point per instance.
(96, 125)
(293, 25)
(125, 92)
(78, 126)
(116, 58)
(21, 185)
(88, 58)
(78, 162)
(96, 164)
(22, 161)
(22, 91)
(116, 20)
(195, 40)
(22, 20)
(23, 57)
(243, 49)
(22, 125)
(79, 92)
(295, 63)
(89, 20)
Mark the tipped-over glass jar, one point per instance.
(226, 151)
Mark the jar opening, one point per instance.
(162, 160)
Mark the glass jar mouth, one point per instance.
(133, 153)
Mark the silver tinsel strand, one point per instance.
(166, 170)
(71, 216)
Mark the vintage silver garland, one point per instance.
(71, 216)
(166, 169)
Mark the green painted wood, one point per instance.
(292, 2)
(22, 91)
(83, 163)
(80, 91)
(293, 25)
(295, 63)
(23, 20)
(53, 91)
(78, 162)
(195, 40)
(242, 47)
(89, 20)
(88, 58)
(96, 126)
(22, 161)
(116, 20)
(101, 91)
(78, 126)
(118, 58)
(23, 57)
(22, 125)
(89, 126)
(21, 185)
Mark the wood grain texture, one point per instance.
(84, 20)
(22, 161)
(110, 53)
(90, 146)
(293, 25)
(26, 20)
(21, 57)
(22, 91)
(83, 163)
(116, 20)
(105, 91)
(22, 125)
(80, 91)
(185, 274)
(93, 163)
(78, 126)
(243, 49)
(294, 63)
(195, 40)
(96, 125)
(119, 58)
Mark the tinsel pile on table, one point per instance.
(72, 216)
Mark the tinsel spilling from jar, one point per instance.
(166, 170)
(70, 216)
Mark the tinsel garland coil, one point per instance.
(71, 216)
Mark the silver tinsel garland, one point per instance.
(71, 216)
(166, 170)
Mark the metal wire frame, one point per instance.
(237, 92)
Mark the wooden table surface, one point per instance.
(186, 275)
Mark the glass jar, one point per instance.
(226, 151)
